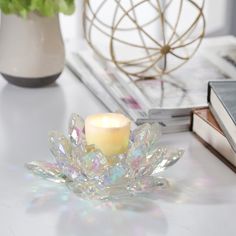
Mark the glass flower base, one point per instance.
(87, 172)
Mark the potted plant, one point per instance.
(31, 46)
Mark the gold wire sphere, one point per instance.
(145, 38)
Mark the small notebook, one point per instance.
(222, 103)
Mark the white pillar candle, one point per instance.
(109, 132)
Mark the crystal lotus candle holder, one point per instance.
(91, 175)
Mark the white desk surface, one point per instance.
(200, 201)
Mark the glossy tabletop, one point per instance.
(201, 199)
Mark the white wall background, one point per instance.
(71, 25)
(220, 18)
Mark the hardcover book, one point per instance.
(222, 102)
(207, 128)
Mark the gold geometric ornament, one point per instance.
(145, 38)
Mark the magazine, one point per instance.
(80, 70)
(169, 100)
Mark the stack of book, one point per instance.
(216, 125)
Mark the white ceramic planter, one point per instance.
(31, 50)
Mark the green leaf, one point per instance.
(42, 7)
